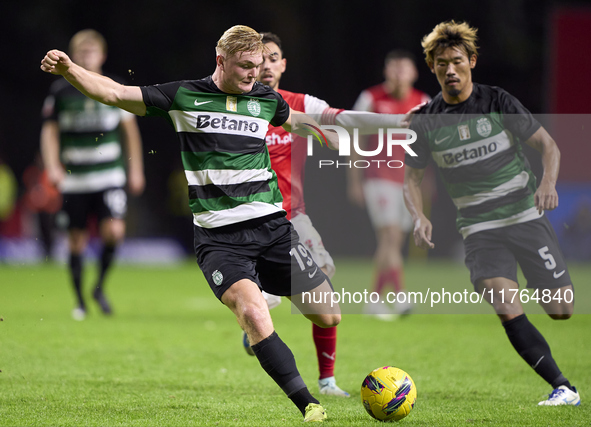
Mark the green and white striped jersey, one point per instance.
(476, 147)
(223, 149)
(90, 139)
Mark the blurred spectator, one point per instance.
(8, 194)
(43, 198)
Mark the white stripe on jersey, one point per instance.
(243, 212)
(516, 183)
(92, 155)
(226, 176)
(101, 120)
(93, 181)
(187, 121)
(527, 215)
(473, 152)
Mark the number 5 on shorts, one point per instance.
(550, 263)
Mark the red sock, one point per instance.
(325, 340)
(391, 276)
(383, 278)
(394, 274)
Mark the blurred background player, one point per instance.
(379, 187)
(44, 200)
(81, 145)
(500, 210)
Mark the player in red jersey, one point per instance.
(288, 157)
(380, 188)
(288, 161)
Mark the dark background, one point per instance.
(334, 51)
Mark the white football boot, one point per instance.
(562, 396)
(329, 387)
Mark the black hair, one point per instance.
(272, 37)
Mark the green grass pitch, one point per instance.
(171, 355)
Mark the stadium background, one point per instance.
(536, 50)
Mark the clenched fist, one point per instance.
(56, 62)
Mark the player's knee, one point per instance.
(391, 237)
(252, 313)
(564, 312)
(250, 310)
(113, 231)
(256, 317)
(328, 320)
(77, 241)
(562, 316)
(507, 311)
(77, 247)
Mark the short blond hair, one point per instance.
(450, 34)
(85, 36)
(239, 38)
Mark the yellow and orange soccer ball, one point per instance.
(388, 394)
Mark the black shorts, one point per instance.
(268, 252)
(532, 244)
(110, 203)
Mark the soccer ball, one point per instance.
(388, 394)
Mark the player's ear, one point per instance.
(219, 60)
(283, 64)
(473, 61)
(431, 67)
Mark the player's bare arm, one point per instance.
(50, 151)
(413, 198)
(546, 197)
(294, 125)
(93, 85)
(133, 144)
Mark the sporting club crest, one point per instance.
(254, 107)
(483, 127)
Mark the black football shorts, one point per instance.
(110, 203)
(267, 252)
(532, 244)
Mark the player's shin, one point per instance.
(533, 348)
(278, 361)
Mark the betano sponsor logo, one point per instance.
(468, 154)
(387, 139)
(205, 121)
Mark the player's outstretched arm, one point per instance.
(546, 197)
(368, 123)
(302, 124)
(93, 85)
(413, 198)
